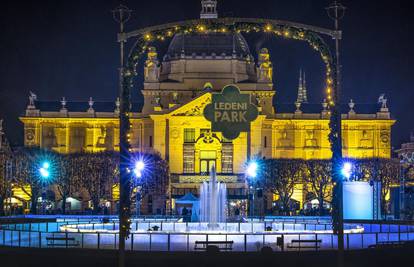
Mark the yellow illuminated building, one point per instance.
(171, 120)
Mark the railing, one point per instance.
(186, 241)
(181, 236)
(171, 226)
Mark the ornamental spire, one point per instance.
(208, 9)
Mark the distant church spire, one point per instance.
(302, 92)
(208, 9)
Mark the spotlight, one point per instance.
(251, 170)
(347, 170)
(139, 167)
(44, 170)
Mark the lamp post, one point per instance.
(251, 173)
(44, 172)
(406, 162)
(336, 12)
(402, 189)
(138, 170)
(346, 170)
(121, 15)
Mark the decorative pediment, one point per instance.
(193, 108)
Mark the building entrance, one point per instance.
(207, 161)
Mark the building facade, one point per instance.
(171, 122)
(406, 152)
(177, 88)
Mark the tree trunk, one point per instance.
(1, 206)
(383, 206)
(34, 199)
(95, 202)
(63, 204)
(286, 207)
(33, 205)
(321, 209)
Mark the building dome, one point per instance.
(208, 44)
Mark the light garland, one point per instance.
(313, 39)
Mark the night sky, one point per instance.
(68, 48)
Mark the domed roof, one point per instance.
(207, 44)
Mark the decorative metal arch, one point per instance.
(280, 28)
(285, 29)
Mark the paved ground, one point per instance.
(10, 257)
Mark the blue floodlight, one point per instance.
(347, 170)
(139, 167)
(46, 165)
(251, 170)
(44, 170)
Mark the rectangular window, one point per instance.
(227, 158)
(188, 158)
(77, 139)
(189, 135)
(265, 142)
(150, 141)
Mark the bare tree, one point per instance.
(384, 171)
(154, 178)
(280, 176)
(388, 173)
(5, 183)
(26, 162)
(65, 178)
(95, 173)
(318, 176)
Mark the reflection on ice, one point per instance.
(205, 227)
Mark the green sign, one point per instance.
(230, 112)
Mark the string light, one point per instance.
(288, 32)
(201, 28)
(147, 36)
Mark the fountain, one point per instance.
(213, 199)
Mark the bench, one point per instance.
(305, 243)
(388, 244)
(62, 242)
(221, 245)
